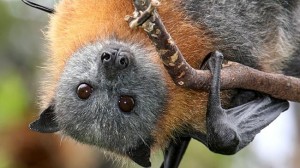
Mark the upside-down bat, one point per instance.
(107, 87)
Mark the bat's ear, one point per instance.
(140, 155)
(46, 123)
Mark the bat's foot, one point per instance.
(222, 136)
(229, 130)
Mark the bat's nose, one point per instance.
(115, 58)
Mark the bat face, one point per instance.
(110, 95)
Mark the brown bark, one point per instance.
(233, 76)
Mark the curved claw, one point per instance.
(40, 7)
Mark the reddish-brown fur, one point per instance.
(79, 22)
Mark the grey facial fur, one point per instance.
(98, 119)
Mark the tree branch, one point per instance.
(233, 76)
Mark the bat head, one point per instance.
(110, 94)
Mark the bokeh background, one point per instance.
(22, 53)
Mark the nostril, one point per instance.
(122, 61)
(105, 57)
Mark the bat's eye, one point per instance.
(84, 91)
(126, 103)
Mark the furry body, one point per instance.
(261, 34)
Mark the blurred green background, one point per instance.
(22, 52)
